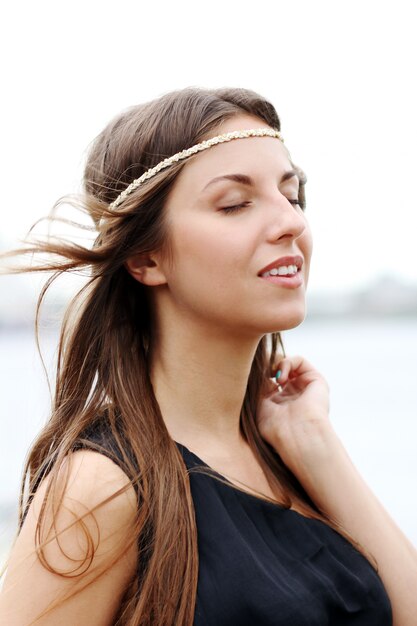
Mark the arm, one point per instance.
(29, 587)
(295, 422)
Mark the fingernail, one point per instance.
(278, 375)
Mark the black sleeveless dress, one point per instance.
(263, 565)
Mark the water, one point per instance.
(371, 367)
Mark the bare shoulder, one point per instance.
(85, 554)
(94, 477)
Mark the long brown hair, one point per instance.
(102, 367)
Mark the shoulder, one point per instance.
(86, 527)
(93, 476)
(93, 489)
(89, 481)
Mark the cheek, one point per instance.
(202, 278)
(205, 247)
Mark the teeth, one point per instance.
(283, 270)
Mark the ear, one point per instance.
(146, 269)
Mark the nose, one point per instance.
(285, 220)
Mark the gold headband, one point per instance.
(236, 134)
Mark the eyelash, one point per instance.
(237, 207)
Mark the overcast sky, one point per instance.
(341, 75)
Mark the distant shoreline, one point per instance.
(48, 326)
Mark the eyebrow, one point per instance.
(243, 179)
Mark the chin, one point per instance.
(289, 321)
(288, 326)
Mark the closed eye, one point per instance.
(237, 207)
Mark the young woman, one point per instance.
(189, 473)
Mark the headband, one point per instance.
(236, 134)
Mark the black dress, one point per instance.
(263, 565)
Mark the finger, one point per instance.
(282, 371)
(294, 367)
(272, 386)
(299, 365)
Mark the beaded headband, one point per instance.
(236, 134)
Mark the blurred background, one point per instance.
(341, 78)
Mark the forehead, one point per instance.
(254, 156)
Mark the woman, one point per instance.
(189, 473)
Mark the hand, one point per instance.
(289, 413)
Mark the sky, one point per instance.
(341, 76)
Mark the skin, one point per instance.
(29, 589)
(210, 306)
(210, 310)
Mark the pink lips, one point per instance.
(291, 282)
(284, 260)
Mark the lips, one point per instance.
(296, 260)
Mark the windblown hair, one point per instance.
(106, 334)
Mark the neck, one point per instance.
(199, 379)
